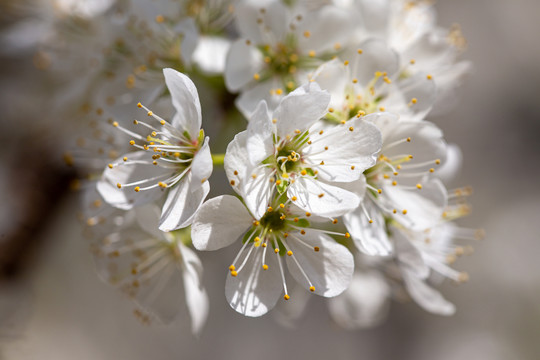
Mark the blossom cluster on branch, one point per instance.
(336, 183)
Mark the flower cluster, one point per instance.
(337, 181)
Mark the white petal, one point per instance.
(257, 190)
(126, 198)
(346, 154)
(202, 165)
(256, 26)
(236, 160)
(254, 291)
(260, 131)
(335, 200)
(375, 16)
(211, 54)
(334, 77)
(301, 109)
(376, 56)
(196, 297)
(428, 298)
(220, 222)
(330, 269)
(189, 32)
(185, 100)
(450, 168)
(423, 90)
(243, 61)
(424, 207)
(183, 200)
(264, 90)
(369, 238)
(148, 219)
(365, 303)
(409, 256)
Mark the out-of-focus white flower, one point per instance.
(279, 45)
(280, 153)
(410, 28)
(365, 303)
(155, 269)
(257, 278)
(400, 185)
(173, 159)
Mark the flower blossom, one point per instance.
(154, 268)
(174, 159)
(281, 153)
(315, 260)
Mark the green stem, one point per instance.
(218, 159)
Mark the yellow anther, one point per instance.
(326, 148)
(429, 77)
(438, 161)
(248, 42)
(282, 205)
(276, 250)
(370, 221)
(379, 191)
(431, 170)
(232, 268)
(256, 223)
(290, 85)
(394, 183)
(360, 51)
(396, 173)
(274, 121)
(387, 80)
(322, 163)
(269, 209)
(235, 172)
(419, 186)
(279, 91)
(160, 19)
(412, 62)
(293, 58)
(297, 131)
(286, 297)
(463, 277)
(132, 142)
(285, 235)
(139, 105)
(330, 110)
(321, 195)
(347, 235)
(335, 221)
(294, 198)
(382, 108)
(118, 185)
(285, 175)
(404, 212)
(289, 253)
(115, 124)
(307, 34)
(351, 129)
(303, 172)
(321, 132)
(303, 232)
(124, 158)
(312, 288)
(233, 182)
(346, 62)
(136, 122)
(154, 162)
(410, 157)
(295, 219)
(110, 166)
(355, 80)
(150, 113)
(265, 267)
(264, 245)
(254, 176)
(234, 273)
(316, 249)
(267, 59)
(162, 185)
(414, 100)
(256, 76)
(311, 53)
(137, 189)
(337, 46)
(278, 182)
(308, 214)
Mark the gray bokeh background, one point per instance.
(58, 309)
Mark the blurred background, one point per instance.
(53, 306)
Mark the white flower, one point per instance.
(283, 153)
(400, 186)
(278, 46)
(257, 278)
(155, 269)
(420, 254)
(366, 81)
(410, 28)
(174, 159)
